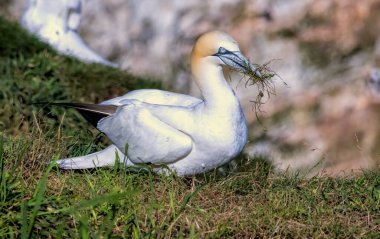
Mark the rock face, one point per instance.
(323, 50)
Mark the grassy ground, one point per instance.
(39, 200)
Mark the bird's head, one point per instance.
(221, 49)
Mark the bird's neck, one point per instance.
(216, 92)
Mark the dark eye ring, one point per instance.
(222, 50)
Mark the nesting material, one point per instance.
(263, 78)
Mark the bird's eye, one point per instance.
(222, 50)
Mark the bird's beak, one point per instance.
(233, 59)
(237, 61)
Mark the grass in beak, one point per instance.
(263, 78)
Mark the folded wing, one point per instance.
(158, 97)
(149, 139)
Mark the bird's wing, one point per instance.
(158, 97)
(149, 139)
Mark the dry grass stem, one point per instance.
(261, 76)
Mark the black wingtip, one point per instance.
(93, 113)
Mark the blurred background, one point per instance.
(325, 121)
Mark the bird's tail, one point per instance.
(91, 112)
(105, 158)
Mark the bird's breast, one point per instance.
(225, 133)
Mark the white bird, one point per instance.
(174, 132)
(57, 22)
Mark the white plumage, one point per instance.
(57, 22)
(173, 131)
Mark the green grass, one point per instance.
(30, 72)
(39, 200)
(252, 200)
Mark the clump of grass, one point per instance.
(261, 76)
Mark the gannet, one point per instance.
(57, 22)
(170, 131)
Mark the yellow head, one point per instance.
(209, 43)
(218, 48)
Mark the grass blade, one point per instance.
(37, 198)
